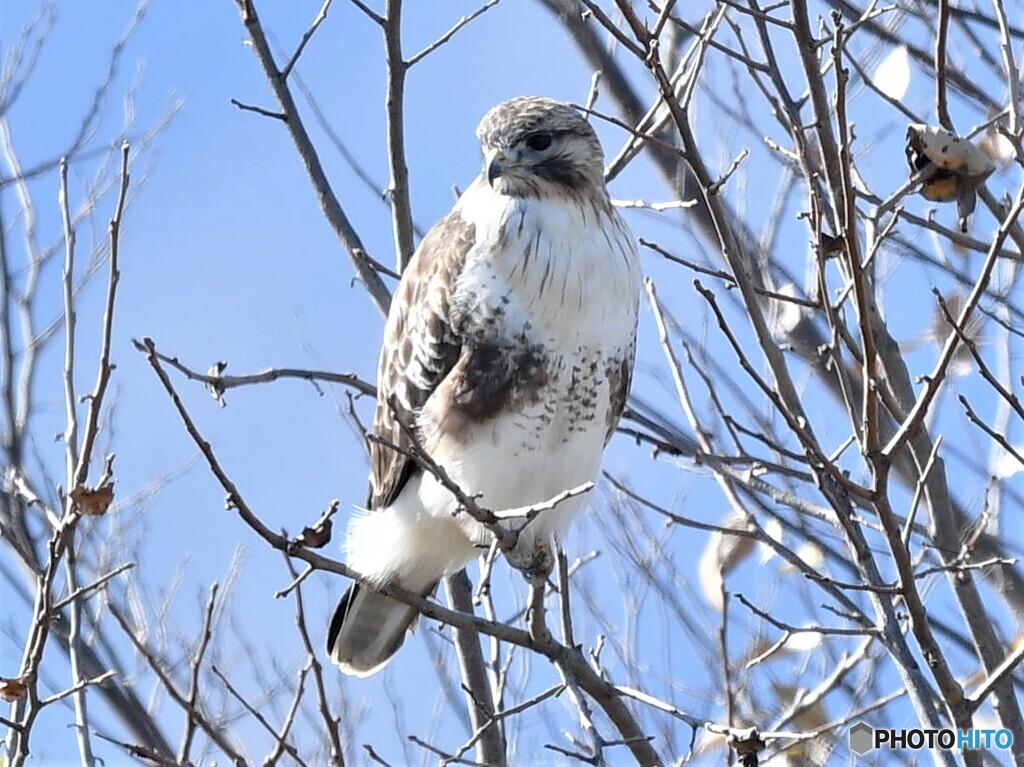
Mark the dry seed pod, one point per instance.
(960, 166)
(12, 689)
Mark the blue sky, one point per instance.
(226, 256)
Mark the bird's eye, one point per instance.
(538, 142)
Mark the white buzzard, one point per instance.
(510, 346)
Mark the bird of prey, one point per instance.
(507, 356)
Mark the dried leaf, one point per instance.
(996, 146)
(966, 201)
(803, 641)
(892, 75)
(721, 555)
(831, 246)
(946, 151)
(93, 502)
(215, 388)
(786, 316)
(1006, 464)
(963, 360)
(810, 553)
(316, 536)
(773, 529)
(747, 742)
(12, 689)
(959, 167)
(808, 719)
(811, 717)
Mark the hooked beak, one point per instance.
(495, 161)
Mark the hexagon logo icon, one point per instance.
(862, 738)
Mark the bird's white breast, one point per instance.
(562, 275)
(568, 268)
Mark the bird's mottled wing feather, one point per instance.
(620, 376)
(420, 349)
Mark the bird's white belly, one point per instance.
(528, 456)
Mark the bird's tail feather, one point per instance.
(367, 629)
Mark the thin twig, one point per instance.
(329, 203)
(469, 17)
(934, 380)
(480, 704)
(398, 186)
(997, 674)
(327, 719)
(88, 589)
(259, 110)
(222, 382)
(213, 731)
(192, 696)
(319, 19)
(941, 34)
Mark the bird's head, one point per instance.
(538, 147)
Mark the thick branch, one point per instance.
(329, 203)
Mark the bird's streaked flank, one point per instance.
(509, 346)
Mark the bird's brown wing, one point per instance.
(420, 349)
(620, 376)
